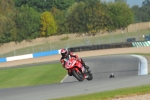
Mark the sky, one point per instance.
(131, 2)
(135, 2)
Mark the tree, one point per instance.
(60, 19)
(95, 16)
(6, 6)
(125, 1)
(2, 23)
(137, 13)
(38, 5)
(7, 24)
(85, 17)
(28, 22)
(120, 14)
(9, 32)
(76, 18)
(146, 3)
(142, 14)
(45, 5)
(48, 24)
(145, 10)
(63, 4)
(80, 1)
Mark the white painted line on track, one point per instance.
(64, 78)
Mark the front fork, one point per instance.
(84, 72)
(83, 69)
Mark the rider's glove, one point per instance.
(77, 59)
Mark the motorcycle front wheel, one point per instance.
(78, 75)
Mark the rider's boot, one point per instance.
(85, 66)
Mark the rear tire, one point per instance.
(78, 76)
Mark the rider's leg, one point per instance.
(83, 63)
(86, 67)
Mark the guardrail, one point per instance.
(76, 49)
(98, 47)
(27, 56)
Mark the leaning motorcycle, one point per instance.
(77, 70)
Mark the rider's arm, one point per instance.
(74, 55)
(62, 62)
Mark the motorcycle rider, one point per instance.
(66, 55)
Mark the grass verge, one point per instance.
(29, 76)
(108, 95)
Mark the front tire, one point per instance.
(78, 76)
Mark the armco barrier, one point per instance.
(27, 56)
(19, 57)
(97, 47)
(3, 60)
(48, 53)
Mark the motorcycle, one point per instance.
(77, 70)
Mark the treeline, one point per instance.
(29, 19)
(142, 14)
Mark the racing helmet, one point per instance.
(64, 52)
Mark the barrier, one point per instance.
(143, 66)
(3, 60)
(97, 47)
(48, 53)
(77, 49)
(141, 44)
(21, 57)
(35, 55)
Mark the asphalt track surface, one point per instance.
(124, 67)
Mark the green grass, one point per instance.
(148, 54)
(29, 76)
(107, 95)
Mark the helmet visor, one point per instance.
(64, 54)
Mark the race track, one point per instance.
(124, 67)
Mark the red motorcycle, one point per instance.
(77, 70)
